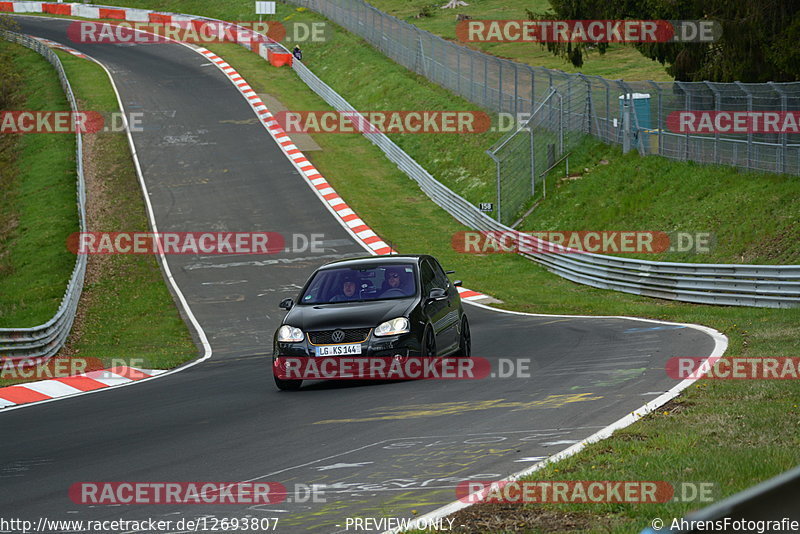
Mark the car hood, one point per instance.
(347, 314)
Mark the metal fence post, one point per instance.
(782, 154)
(609, 123)
(516, 91)
(749, 133)
(660, 118)
(485, 80)
(472, 77)
(717, 108)
(458, 71)
(688, 106)
(500, 85)
(533, 155)
(497, 164)
(590, 109)
(421, 57)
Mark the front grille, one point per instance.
(351, 335)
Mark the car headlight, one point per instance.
(290, 334)
(393, 327)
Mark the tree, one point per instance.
(758, 42)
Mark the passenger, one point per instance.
(393, 281)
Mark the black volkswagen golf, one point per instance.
(378, 306)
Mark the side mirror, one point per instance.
(457, 283)
(437, 294)
(286, 304)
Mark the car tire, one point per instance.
(464, 340)
(287, 385)
(428, 344)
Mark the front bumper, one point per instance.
(389, 346)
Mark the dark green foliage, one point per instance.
(758, 41)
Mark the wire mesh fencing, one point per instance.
(658, 113)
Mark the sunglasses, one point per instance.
(394, 275)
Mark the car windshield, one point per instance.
(358, 284)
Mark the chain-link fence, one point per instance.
(592, 104)
(524, 157)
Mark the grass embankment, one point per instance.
(732, 433)
(38, 206)
(751, 218)
(619, 62)
(126, 312)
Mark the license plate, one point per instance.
(339, 350)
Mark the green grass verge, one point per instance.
(126, 311)
(751, 217)
(38, 202)
(131, 313)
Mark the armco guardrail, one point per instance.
(771, 286)
(45, 340)
(723, 284)
(770, 506)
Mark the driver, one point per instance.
(349, 286)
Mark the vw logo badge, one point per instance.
(337, 336)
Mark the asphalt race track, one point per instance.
(378, 450)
